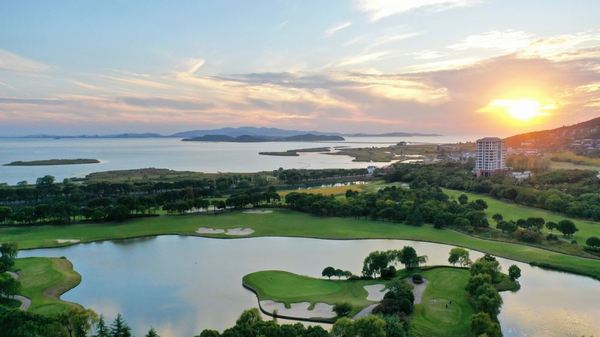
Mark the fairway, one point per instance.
(44, 280)
(288, 288)
(445, 309)
(283, 222)
(513, 211)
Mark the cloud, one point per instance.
(362, 58)
(336, 28)
(506, 41)
(379, 9)
(195, 65)
(426, 55)
(559, 45)
(385, 39)
(13, 62)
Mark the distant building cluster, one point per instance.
(490, 155)
(588, 144)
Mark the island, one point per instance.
(53, 162)
(295, 152)
(309, 137)
(437, 300)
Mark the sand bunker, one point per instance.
(258, 211)
(206, 230)
(67, 240)
(240, 231)
(376, 292)
(299, 310)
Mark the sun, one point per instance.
(522, 109)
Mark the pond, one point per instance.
(182, 285)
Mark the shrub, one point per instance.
(417, 278)
(388, 272)
(342, 309)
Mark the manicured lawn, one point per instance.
(512, 211)
(446, 286)
(43, 280)
(288, 288)
(283, 222)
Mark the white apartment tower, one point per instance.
(490, 152)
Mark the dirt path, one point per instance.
(418, 289)
(25, 302)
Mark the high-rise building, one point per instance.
(490, 152)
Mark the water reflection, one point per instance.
(181, 285)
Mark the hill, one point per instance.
(583, 138)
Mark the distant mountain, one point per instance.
(572, 136)
(248, 131)
(120, 135)
(237, 132)
(259, 139)
(392, 134)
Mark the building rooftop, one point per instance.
(489, 139)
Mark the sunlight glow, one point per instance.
(523, 110)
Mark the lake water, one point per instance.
(182, 285)
(171, 153)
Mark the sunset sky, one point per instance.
(449, 66)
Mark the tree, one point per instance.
(9, 286)
(460, 256)
(375, 263)
(152, 333)
(476, 281)
(343, 327)
(342, 309)
(593, 242)
(119, 328)
(514, 272)
(328, 272)
(78, 322)
(209, 333)
(339, 273)
(480, 204)
(394, 327)
(487, 299)
(551, 225)
(482, 324)
(101, 329)
(249, 318)
(507, 226)
(5, 213)
(369, 326)
(8, 254)
(498, 218)
(487, 265)
(535, 223)
(409, 258)
(567, 227)
(463, 199)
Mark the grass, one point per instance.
(513, 211)
(288, 288)
(44, 280)
(446, 285)
(431, 317)
(282, 222)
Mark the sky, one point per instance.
(473, 67)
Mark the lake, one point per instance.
(182, 285)
(172, 153)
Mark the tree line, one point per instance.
(572, 192)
